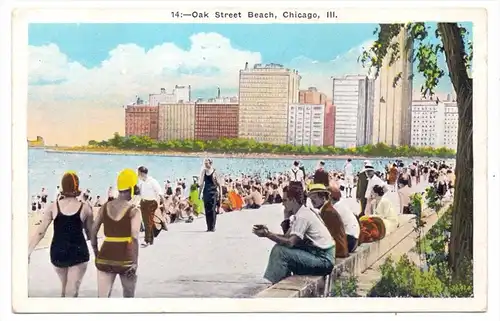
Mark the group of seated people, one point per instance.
(236, 195)
(315, 235)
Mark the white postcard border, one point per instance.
(384, 12)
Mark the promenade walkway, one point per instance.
(186, 261)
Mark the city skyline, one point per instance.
(70, 80)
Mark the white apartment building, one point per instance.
(178, 94)
(450, 134)
(424, 115)
(306, 124)
(353, 99)
(434, 124)
(265, 91)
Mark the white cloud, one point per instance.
(49, 64)
(318, 73)
(129, 70)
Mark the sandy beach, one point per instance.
(112, 151)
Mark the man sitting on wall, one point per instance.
(306, 248)
(349, 218)
(320, 200)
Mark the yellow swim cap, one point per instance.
(127, 179)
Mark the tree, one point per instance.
(451, 42)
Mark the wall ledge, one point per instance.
(366, 255)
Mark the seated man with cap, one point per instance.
(320, 200)
(306, 248)
(373, 180)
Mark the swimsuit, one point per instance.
(69, 246)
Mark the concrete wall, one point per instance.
(363, 258)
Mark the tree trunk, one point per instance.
(461, 243)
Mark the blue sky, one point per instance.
(74, 56)
(275, 42)
(89, 71)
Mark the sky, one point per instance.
(85, 73)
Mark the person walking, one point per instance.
(119, 252)
(151, 197)
(210, 189)
(69, 253)
(349, 177)
(361, 186)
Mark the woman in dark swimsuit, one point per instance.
(69, 252)
(209, 185)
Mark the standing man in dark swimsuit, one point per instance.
(210, 188)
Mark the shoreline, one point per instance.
(103, 151)
(63, 150)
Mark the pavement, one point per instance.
(187, 262)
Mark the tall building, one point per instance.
(265, 91)
(424, 120)
(434, 124)
(306, 124)
(353, 100)
(176, 121)
(141, 120)
(216, 120)
(178, 94)
(393, 96)
(329, 128)
(311, 96)
(450, 133)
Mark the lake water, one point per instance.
(98, 171)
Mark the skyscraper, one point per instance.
(265, 92)
(353, 100)
(393, 96)
(306, 124)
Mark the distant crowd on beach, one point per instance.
(318, 225)
(253, 191)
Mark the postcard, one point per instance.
(253, 157)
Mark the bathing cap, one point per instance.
(127, 179)
(70, 184)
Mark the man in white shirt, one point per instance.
(349, 218)
(372, 181)
(306, 248)
(349, 178)
(296, 176)
(151, 196)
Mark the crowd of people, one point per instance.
(318, 225)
